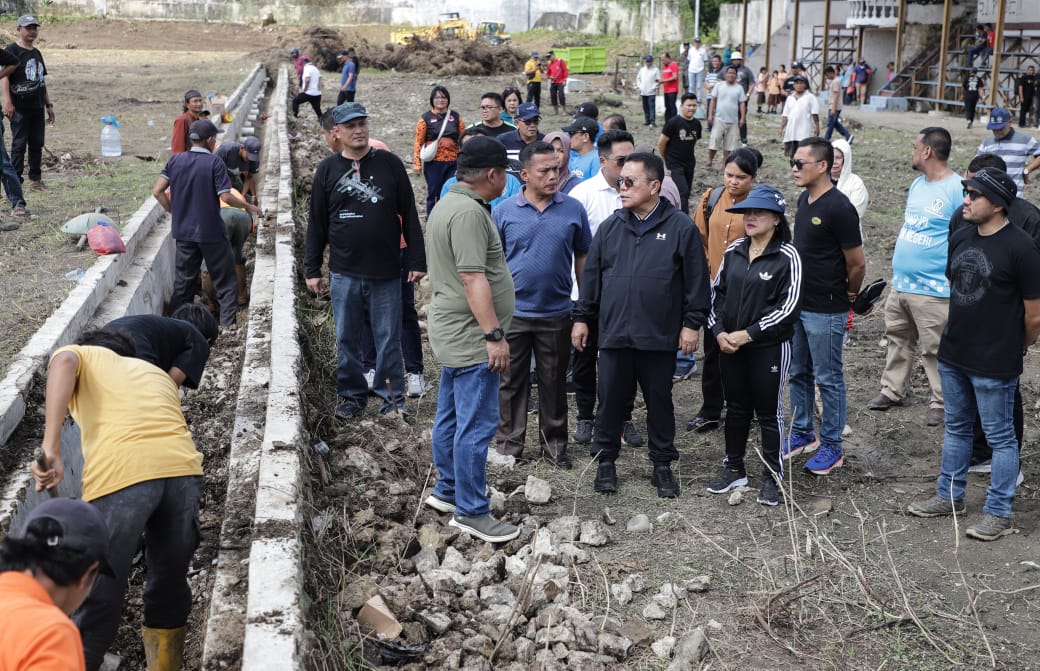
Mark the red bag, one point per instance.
(104, 239)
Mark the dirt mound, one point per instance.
(444, 58)
(323, 46)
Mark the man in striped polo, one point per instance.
(1020, 152)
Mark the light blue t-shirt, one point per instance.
(919, 260)
(513, 187)
(584, 167)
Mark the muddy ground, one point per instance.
(841, 580)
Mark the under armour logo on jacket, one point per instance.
(662, 236)
(765, 277)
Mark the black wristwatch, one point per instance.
(495, 334)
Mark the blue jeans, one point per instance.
(816, 359)
(696, 82)
(963, 394)
(411, 336)
(834, 124)
(352, 299)
(8, 177)
(467, 417)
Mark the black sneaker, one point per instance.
(630, 435)
(583, 431)
(606, 478)
(769, 495)
(349, 410)
(727, 480)
(667, 487)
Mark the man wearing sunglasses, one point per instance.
(994, 274)
(646, 287)
(827, 237)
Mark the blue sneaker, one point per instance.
(826, 460)
(795, 443)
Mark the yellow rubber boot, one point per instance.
(163, 648)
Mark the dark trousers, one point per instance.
(28, 129)
(971, 100)
(301, 98)
(534, 93)
(345, 97)
(8, 177)
(411, 336)
(1024, 106)
(834, 124)
(649, 109)
(436, 174)
(712, 391)
(220, 263)
(167, 512)
(558, 94)
(682, 175)
(619, 371)
(980, 449)
(583, 373)
(669, 105)
(549, 339)
(754, 379)
(743, 132)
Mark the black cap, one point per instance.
(589, 110)
(191, 93)
(582, 124)
(203, 129)
(253, 146)
(797, 64)
(483, 152)
(83, 528)
(995, 185)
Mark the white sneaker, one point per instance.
(1020, 479)
(415, 385)
(370, 378)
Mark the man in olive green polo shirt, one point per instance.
(473, 302)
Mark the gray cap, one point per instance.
(27, 20)
(252, 146)
(348, 112)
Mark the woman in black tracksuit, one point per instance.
(756, 299)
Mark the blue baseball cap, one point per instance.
(998, 118)
(528, 112)
(762, 197)
(348, 112)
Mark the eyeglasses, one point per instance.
(798, 164)
(628, 182)
(485, 108)
(971, 194)
(619, 161)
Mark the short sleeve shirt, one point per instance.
(349, 69)
(799, 114)
(229, 153)
(727, 101)
(28, 81)
(462, 238)
(1015, 148)
(584, 166)
(823, 230)
(197, 178)
(35, 633)
(919, 260)
(682, 137)
(167, 343)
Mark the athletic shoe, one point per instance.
(630, 435)
(769, 495)
(702, 424)
(796, 443)
(728, 479)
(984, 466)
(414, 383)
(936, 506)
(583, 431)
(370, 378)
(349, 410)
(439, 504)
(684, 372)
(486, 528)
(606, 478)
(664, 480)
(826, 459)
(990, 528)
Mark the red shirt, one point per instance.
(670, 71)
(34, 633)
(557, 71)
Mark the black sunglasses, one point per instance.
(798, 164)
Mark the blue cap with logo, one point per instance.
(998, 118)
(528, 112)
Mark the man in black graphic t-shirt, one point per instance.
(994, 273)
(25, 100)
(676, 144)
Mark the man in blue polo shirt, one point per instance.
(542, 233)
(198, 182)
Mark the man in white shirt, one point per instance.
(801, 116)
(600, 198)
(647, 80)
(695, 71)
(310, 89)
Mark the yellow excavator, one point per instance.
(450, 26)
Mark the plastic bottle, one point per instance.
(75, 275)
(111, 142)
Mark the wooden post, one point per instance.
(743, 32)
(943, 46)
(769, 34)
(794, 32)
(899, 35)
(994, 60)
(826, 42)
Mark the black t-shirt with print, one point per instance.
(989, 276)
(822, 231)
(682, 137)
(1028, 85)
(27, 80)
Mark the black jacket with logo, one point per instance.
(644, 287)
(763, 296)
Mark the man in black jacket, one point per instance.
(646, 285)
(358, 196)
